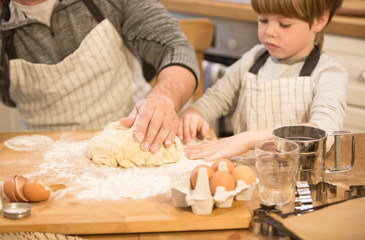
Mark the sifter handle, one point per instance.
(337, 152)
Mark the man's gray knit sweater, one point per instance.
(145, 26)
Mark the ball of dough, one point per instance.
(117, 146)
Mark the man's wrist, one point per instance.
(162, 98)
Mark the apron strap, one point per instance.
(7, 40)
(7, 49)
(94, 10)
(9, 45)
(310, 62)
(7, 52)
(259, 63)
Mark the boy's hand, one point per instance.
(191, 123)
(227, 147)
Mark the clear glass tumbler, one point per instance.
(277, 167)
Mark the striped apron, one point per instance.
(98, 83)
(279, 102)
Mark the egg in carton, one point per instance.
(201, 199)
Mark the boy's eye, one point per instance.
(285, 25)
(263, 20)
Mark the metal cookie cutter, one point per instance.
(323, 191)
(259, 225)
(355, 191)
(303, 198)
(16, 210)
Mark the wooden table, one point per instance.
(69, 215)
(152, 218)
(355, 176)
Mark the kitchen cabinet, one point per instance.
(350, 52)
(344, 23)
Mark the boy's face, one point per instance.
(286, 38)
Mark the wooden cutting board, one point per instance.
(68, 215)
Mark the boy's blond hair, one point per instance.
(306, 10)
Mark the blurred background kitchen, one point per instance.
(235, 25)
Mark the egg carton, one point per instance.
(201, 199)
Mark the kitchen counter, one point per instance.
(345, 24)
(134, 220)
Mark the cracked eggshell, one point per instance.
(9, 188)
(36, 191)
(19, 188)
(13, 188)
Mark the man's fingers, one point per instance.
(129, 121)
(155, 134)
(142, 123)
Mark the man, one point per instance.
(75, 64)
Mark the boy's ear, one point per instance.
(321, 22)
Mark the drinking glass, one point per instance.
(277, 167)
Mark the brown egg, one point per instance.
(194, 174)
(9, 188)
(36, 191)
(244, 173)
(230, 165)
(222, 178)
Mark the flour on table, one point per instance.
(117, 146)
(28, 143)
(65, 162)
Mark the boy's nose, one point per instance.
(271, 30)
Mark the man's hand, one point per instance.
(156, 123)
(155, 116)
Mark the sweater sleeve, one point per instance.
(150, 30)
(4, 75)
(329, 100)
(222, 97)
